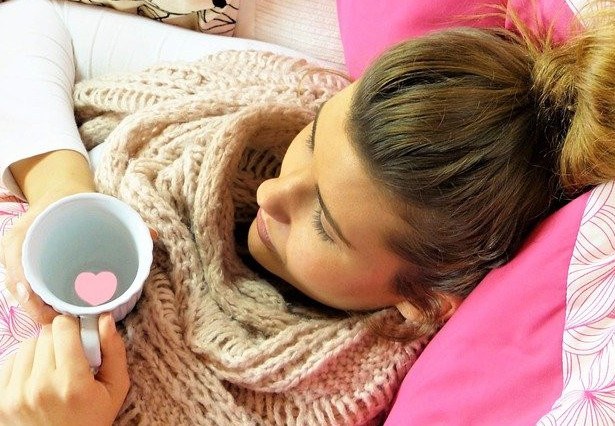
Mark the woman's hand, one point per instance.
(48, 381)
(43, 179)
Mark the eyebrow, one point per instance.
(313, 135)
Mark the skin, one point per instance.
(48, 381)
(344, 265)
(353, 270)
(71, 175)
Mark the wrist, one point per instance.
(57, 191)
(50, 176)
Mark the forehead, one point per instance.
(356, 201)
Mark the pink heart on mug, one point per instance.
(96, 289)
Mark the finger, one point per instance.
(22, 366)
(44, 356)
(5, 372)
(113, 372)
(38, 310)
(16, 282)
(69, 353)
(11, 258)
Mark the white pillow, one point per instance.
(307, 26)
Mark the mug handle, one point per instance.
(90, 339)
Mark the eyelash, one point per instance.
(310, 139)
(319, 227)
(317, 222)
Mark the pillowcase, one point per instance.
(499, 358)
(306, 26)
(207, 16)
(370, 28)
(310, 27)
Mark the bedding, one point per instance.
(207, 16)
(15, 325)
(308, 27)
(535, 342)
(368, 30)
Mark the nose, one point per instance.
(284, 196)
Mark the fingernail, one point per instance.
(22, 293)
(112, 321)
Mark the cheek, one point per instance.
(318, 268)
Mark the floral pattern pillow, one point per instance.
(207, 16)
(15, 325)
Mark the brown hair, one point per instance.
(580, 77)
(457, 131)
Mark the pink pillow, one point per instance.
(499, 358)
(370, 26)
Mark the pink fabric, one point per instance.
(499, 359)
(15, 325)
(539, 15)
(588, 355)
(370, 28)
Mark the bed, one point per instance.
(535, 342)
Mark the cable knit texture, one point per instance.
(210, 342)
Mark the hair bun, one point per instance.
(574, 84)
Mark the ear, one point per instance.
(448, 302)
(408, 310)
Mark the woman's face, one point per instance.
(322, 223)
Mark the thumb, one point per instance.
(113, 371)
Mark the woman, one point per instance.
(406, 189)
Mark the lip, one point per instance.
(263, 233)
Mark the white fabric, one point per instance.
(577, 5)
(38, 70)
(310, 26)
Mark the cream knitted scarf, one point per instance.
(211, 342)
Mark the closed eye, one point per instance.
(317, 217)
(310, 139)
(317, 221)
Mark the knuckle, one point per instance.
(45, 332)
(7, 243)
(74, 392)
(10, 285)
(62, 322)
(27, 346)
(40, 395)
(9, 406)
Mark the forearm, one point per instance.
(38, 133)
(46, 177)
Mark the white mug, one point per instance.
(87, 254)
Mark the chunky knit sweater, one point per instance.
(211, 342)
